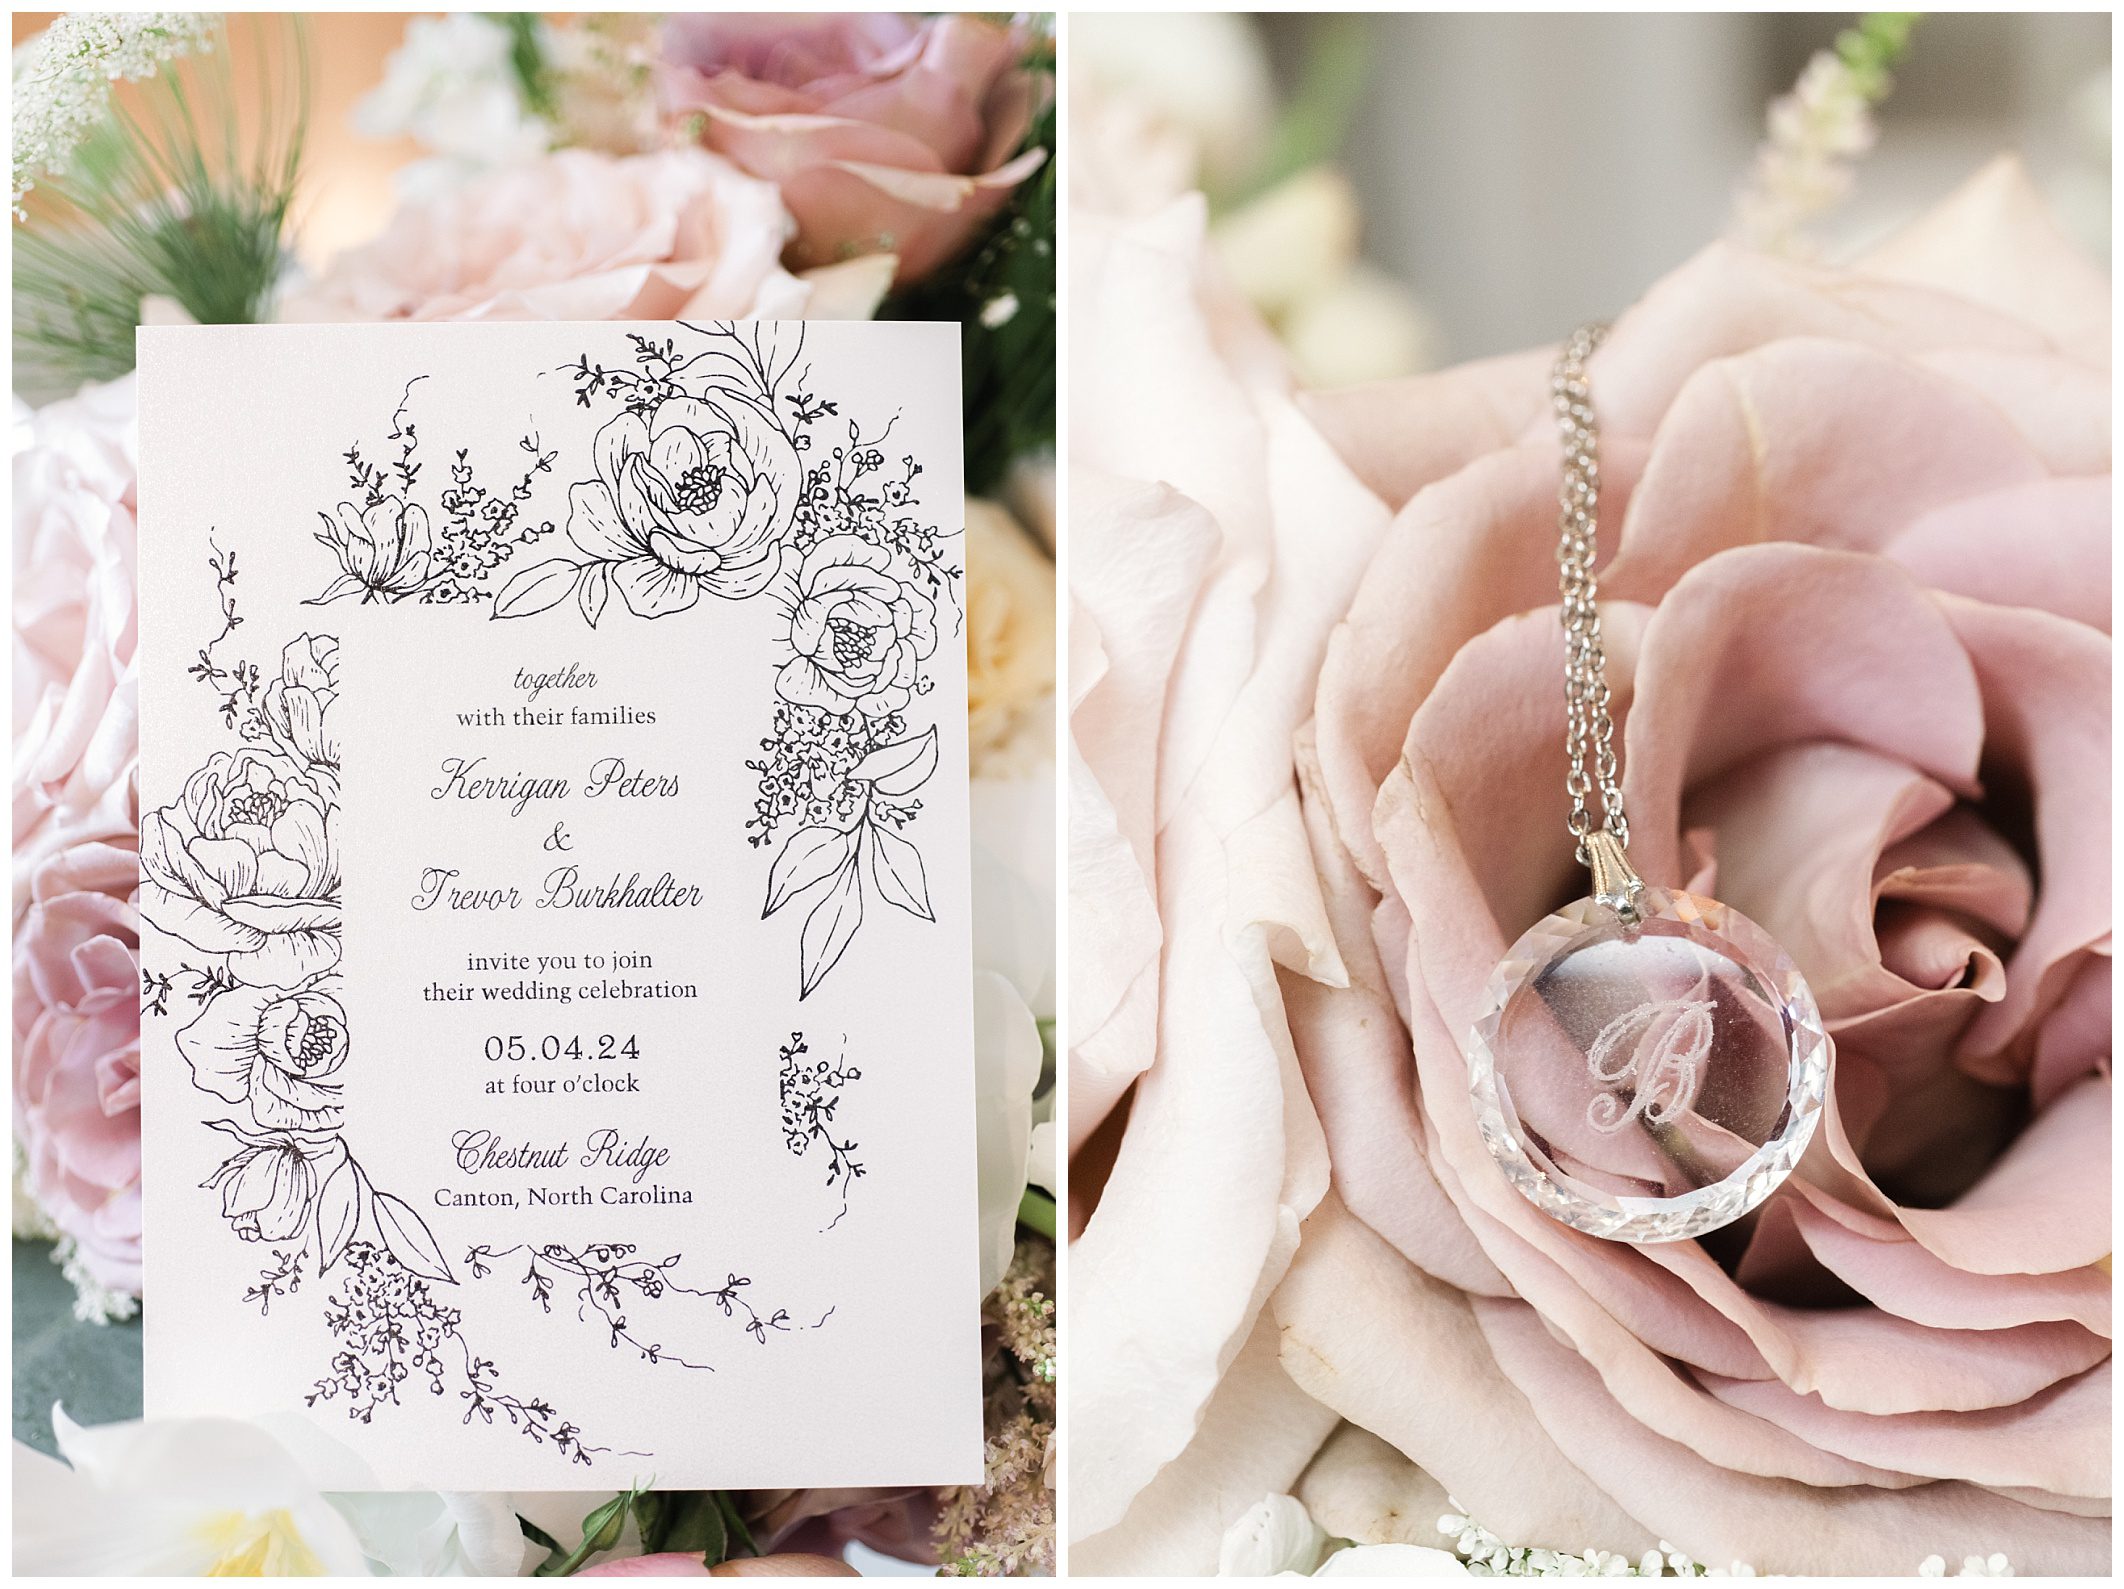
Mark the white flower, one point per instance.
(1275, 1535)
(1010, 629)
(1202, 75)
(1392, 1561)
(63, 78)
(428, 1534)
(1007, 1059)
(193, 1497)
(451, 89)
(174, 1497)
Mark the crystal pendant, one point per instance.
(1649, 1065)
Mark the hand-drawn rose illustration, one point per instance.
(860, 634)
(243, 865)
(279, 1053)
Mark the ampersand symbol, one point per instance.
(558, 839)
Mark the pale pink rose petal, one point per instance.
(1799, 832)
(1359, 1075)
(2055, 1441)
(2074, 1039)
(1473, 409)
(1773, 1525)
(1361, 1488)
(1464, 554)
(2060, 534)
(1881, 1263)
(1785, 443)
(2045, 684)
(1994, 242)
(652, 236)
(2059, 405)
(1861, 655)
(1357, 1321)
(1200, 1214)
(2043, 1208)
(1729, 301)
(1257, 1434)
(1868, 1361)
(878, 144)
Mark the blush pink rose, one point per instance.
(1855, 572)
(886, 134)
(76, 684)
(77, 1053)
(574, 235)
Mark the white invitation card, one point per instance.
(557, 1041)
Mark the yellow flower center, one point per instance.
(258, 1545)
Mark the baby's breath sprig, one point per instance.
(63, 82)
(1819, 132)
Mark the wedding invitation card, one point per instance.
(557, 1049)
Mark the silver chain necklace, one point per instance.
(1650, 1064)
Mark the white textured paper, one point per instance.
(557, 1046)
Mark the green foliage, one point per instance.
(703, 1523)
(527, 59)
(1874, 46)
(1002, 291)
(172, 199)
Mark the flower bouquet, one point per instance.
(1854, 553)
(719, 168)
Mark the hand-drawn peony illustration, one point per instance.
(720, 476)
(697, 488)
(278, 1053)
(860, 635)
(291, 710)
(690, 499)
(243, 867)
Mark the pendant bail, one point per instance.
(1615, 881)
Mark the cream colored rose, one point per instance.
(1010, 626)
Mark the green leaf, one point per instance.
(601, 1531)
(1037, 1211)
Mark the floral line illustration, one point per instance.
(242, 869)
(604, 1278)
(719, 477)
(811, 1098)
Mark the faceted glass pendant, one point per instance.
(1647, 1079)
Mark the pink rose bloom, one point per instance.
(574, 235)
(76, 717)
(1855, 573)
(886, 134)
(77, 1053)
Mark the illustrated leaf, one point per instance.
(338, 1212)
(832, 922)
(590, 594)
(541, 586)
(811, 855)
(897, 865)
(344, 585)
(899, 768)
(408, 1238)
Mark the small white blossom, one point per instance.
(1805, 166)
(1276, 1534)
(63, 78)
